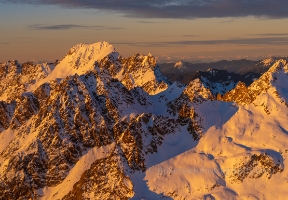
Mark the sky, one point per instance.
(188, 30)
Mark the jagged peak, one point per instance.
(279, 65)
(139, 55)
(196, 87)
(140, 61)
(82, 53)
(79, 59)
(267, 77)
(149, 61)
(98, 45)
(12, 62)
(274, 76)
(180, 65)
(267, 62)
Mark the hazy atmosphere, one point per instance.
(171, 30)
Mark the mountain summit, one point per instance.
(96, 125)
(79, 59)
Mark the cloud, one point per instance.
(111, 28)
(66, 27)
(236, 41)
(147, 22)
(60, 27)
(4, 43)
(271, 34)
(186, 9)
(190, 36)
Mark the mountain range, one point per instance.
(185, 71)
(95, 125)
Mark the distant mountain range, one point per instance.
(95, 125)
(185, 72)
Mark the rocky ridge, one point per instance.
(245, 95)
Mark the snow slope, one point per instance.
(244, 158)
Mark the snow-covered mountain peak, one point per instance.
(197, 88)
(270, 62)
(279, 65)
(82, 57)
(274, 79)
(212, 71)
(270, 77)
(148, 61)
(142, 71)
(267, 62)
(79, 59)
(138, 70)
(180, 65)
(84, 52)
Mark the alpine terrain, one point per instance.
(95, 125)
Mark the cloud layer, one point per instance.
(186, 9)
(66, 27)
(61, 27)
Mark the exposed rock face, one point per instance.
(96, 133)
(239, 94)
(15, 77)
(142, 71)
(7, 112)
(93, 183)
(255, 166)
(184, 107)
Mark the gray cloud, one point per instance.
(147, 22)
(228, 21)
(111, 28)
(236, 41)
(271, 34)
(66, 27)
(190, 36)
(5, 43)
(186, 9)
